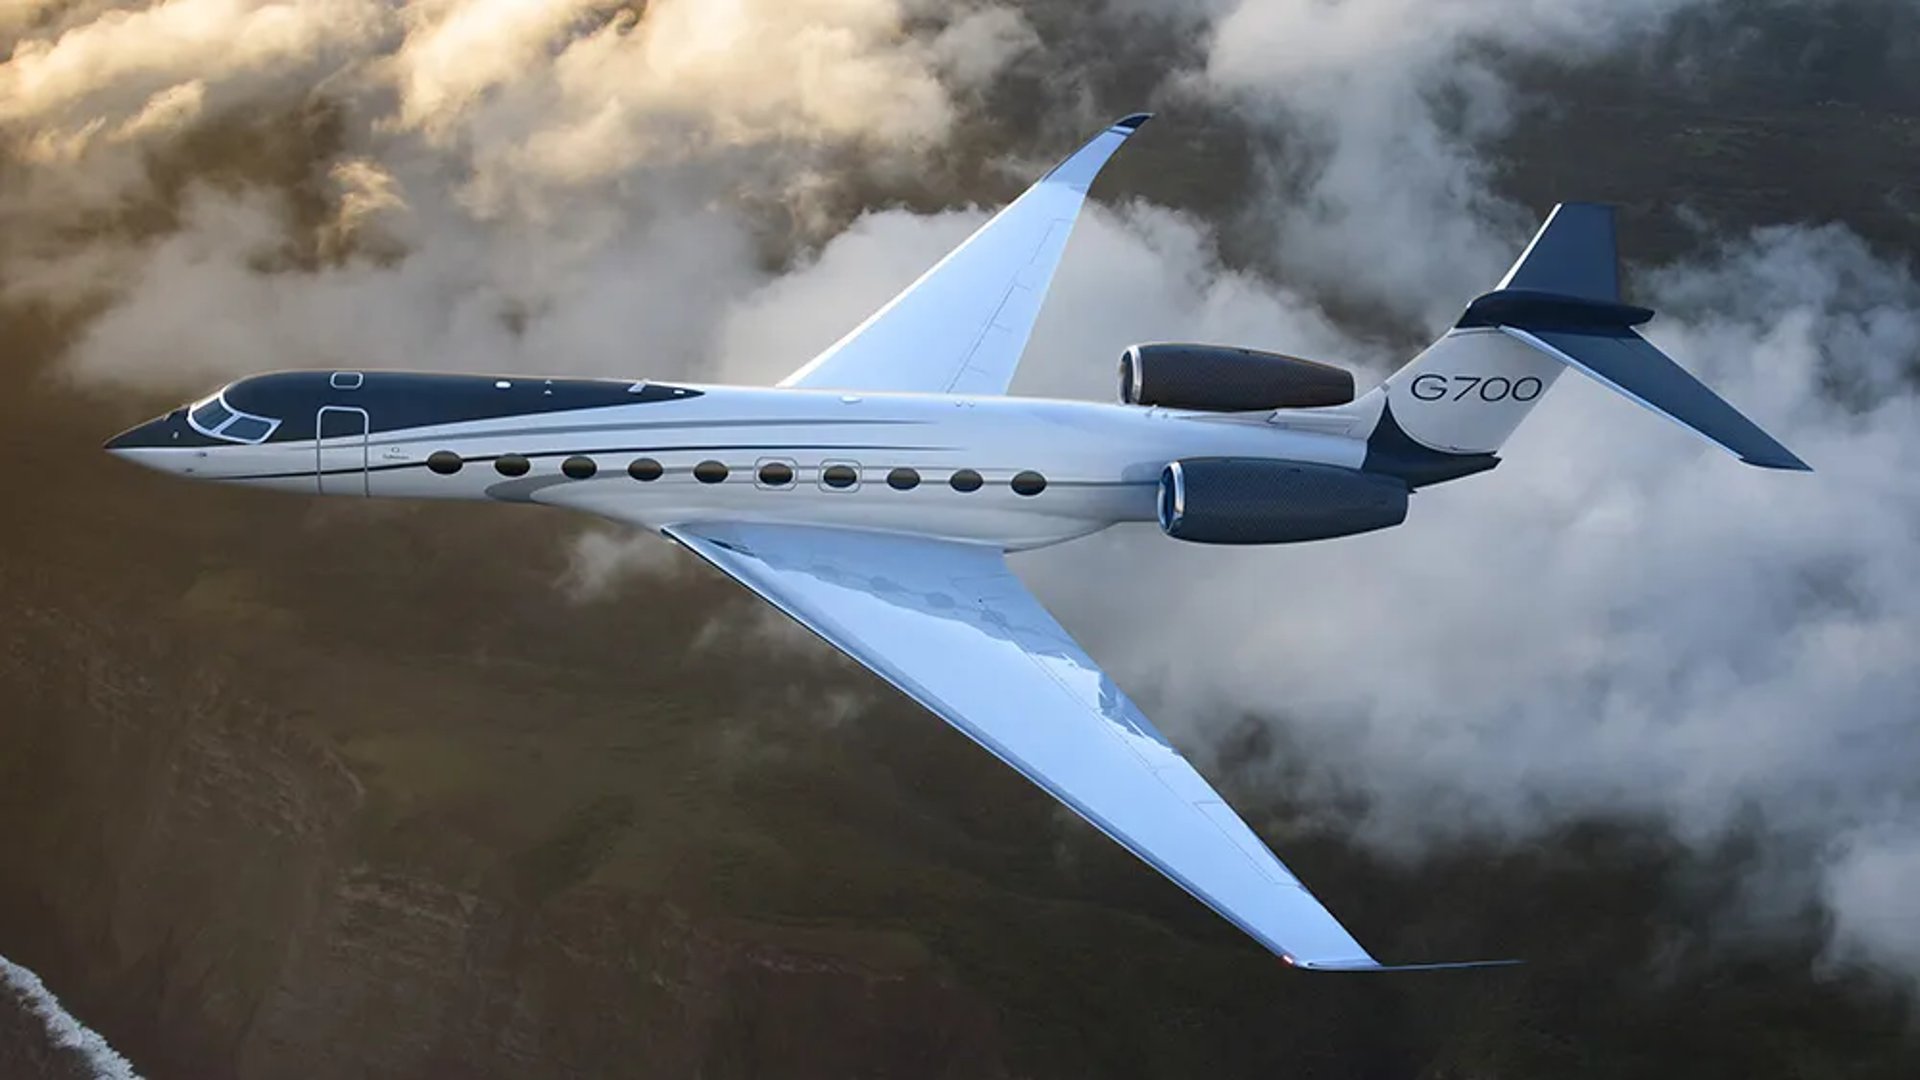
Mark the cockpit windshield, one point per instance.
(247, 429)
(214, 417)
(209, 415)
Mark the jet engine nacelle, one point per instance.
(1219, 378)
(1262, 501)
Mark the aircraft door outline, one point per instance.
(340, 449)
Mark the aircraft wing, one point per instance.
(948, 624)
(961, 328)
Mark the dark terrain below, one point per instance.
(304, 789)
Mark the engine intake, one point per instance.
(1262, 501)
(1218, 378)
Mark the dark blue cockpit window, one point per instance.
(210, 416)
(215, 418)
(247, 429)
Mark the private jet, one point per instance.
(873, 494)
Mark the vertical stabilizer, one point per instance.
(1444, 415)
(1574, 254)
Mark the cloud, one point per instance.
(1384, 184)
(455, 52)
(1869, 887)
(63, 1030)
(599, 558)
(1620, 621)
(690, 79)
(532, 187)
(1147, 273)
(792, 318)
(91, 93)
(116, 65)
(205, 302)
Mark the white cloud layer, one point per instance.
(22, 989)
(1620, 620)
(1388, 105)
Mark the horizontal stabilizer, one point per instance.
(1368, 965)
(1630, 364)
(1563, 298)
(1447, 413)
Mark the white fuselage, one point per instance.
(1100, 463)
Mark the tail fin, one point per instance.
(1444, 415)
(1573, 254)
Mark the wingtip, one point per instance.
(1370, 964)
(1132, 121)
(1788, 463)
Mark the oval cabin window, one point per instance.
(511, 465)
(645, 469)
(579, 468)
(903, 479)
(1029, 483)
(776, 474)
(710, 472)
(839, 476)
(966, 480)
(444, 462)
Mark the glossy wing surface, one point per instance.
(950, 625)
(961, 328)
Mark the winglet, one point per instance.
(1372, 965)
(1080, 167)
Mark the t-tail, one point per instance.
(1445, 414)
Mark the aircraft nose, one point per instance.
(159, 432)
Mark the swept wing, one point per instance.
(961, 328)
(949, 625)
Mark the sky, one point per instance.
(1619, 622)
